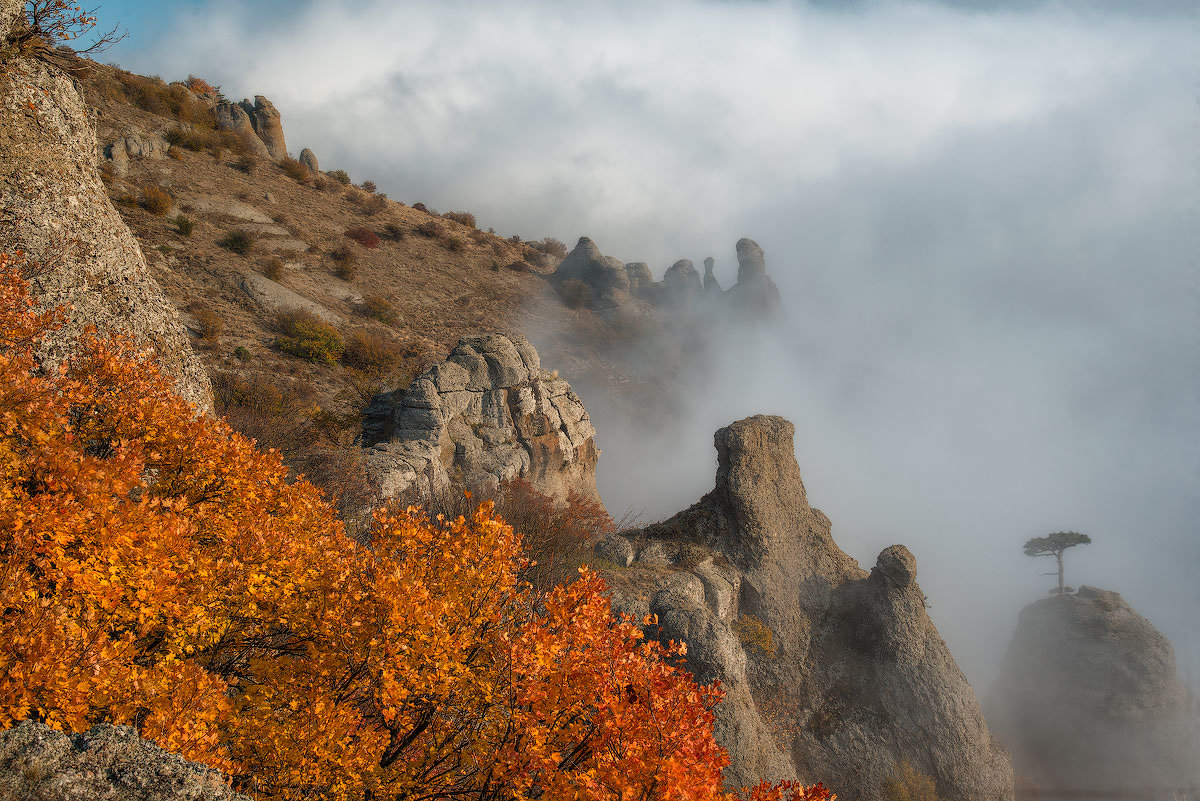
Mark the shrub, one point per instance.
(239, 241)
(368, 186)
(378, 308)
(190, 139)
(575, 293)
(461, 217)
(371, 353)
(370, 204)
(479, 237)
(155, 200)
(242, 354)
(364, 236)
(454, 244)
(431, 229)
(295, 170)
(424, 208)
(340, 176)
(753, 633)
(184, 225)
(174, 153)
(537, 258)
(552, 247)
(201, 87)
(345, 262)
(273, 268)
(304, 334)
(909, 784)
(394, 231)
(209, 323)
(246, 163)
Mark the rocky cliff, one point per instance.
(107, 763)
(1088, 698)
(489, 412)
(53, 206)
(831, 673)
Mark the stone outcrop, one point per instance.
(754, 293)
(1088, 699)
(488, 413)
(267, 125)
(107, 763)
(604, 275)
(710, 280)
(53, 206)
(831, 673)
(232, 117)
(309, 160)
(682, 284)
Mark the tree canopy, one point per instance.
(1054, 545)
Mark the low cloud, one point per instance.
(979, 216)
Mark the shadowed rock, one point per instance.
(682, 284)
(830, 673)
(232, 117)
(710, 280)
(605, 276)
(309, 159)
(754, 293)
(267, 125)
(1088, 698)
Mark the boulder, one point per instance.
(486, 414)
(605, 276)
(267, 125)
(1088, 699)
(106, 763)
(309, 159)
(232, 117)
(831, 674)
(56, 210)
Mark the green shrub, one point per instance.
(575, 293)
(304, 334)
(753, 633)
(239, 241)
(242, 354)
(184, 225)
(155, 200)
(368, 186)
(340, 176)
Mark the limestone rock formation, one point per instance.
(107, 763)
(232, 117)
(604, 275)
(754, 293)
(682, 284)
(309, 159)
(831, 673)
(53, 207)
(489, 412)
(710, 280)
(1088, 699)
(267, 124)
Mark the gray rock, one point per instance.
(755, 294)
(710, 280)
(265, 120)
(106, 763)
(1088, 698)
(233, 117)
(606, 276)
(752, 264)
(118, 155)
(682, 284)
(51, 194)
(859, 678)
(616, 549)
(309, 159)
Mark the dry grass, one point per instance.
(155, 200)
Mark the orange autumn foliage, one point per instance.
(157, 570)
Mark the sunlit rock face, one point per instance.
(1088, 699)
(831, 673)
(488, 413)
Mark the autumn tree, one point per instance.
(1054, 545)
(49, 23)
(157, 570)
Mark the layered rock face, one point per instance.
(54, 208)
(109, 763)
(831, 673)
(488, 413)
(232, 117)
(267, 125)
(606, 276)
(1088, 699)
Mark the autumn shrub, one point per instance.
(157, 570)
(304, 334)
(461, 217)
(246, 163)
(909, 784)
(340, 176)
(295, 170)
(753, 633)
(345, 262)
(394, 231)
(273, 268)
(479, 237)
(431, 229)
(184, 225)
(370, 204)
(239, 241)
(454, 244)
(575, 293)
(209, 324)
(551, 247)
(377, 307)
(155, 200)
(201, 87)
(191, 138)
(537, 259)
(363, 236)
(371, 352)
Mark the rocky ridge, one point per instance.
(488, 413)
(1088, 697)
(54, 208)
(831, 673)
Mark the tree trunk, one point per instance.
(1060, 571)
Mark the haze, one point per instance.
(981, 217)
